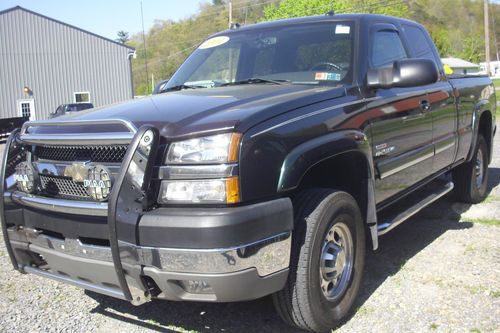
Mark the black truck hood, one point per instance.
(189, 112)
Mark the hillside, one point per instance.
(455, 25)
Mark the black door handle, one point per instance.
(425, 106)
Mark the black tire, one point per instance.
(465, 177)
(302, 302)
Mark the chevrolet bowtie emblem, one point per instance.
(77, 171)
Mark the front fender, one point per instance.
(308, 154)
(312, 152)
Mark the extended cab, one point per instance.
(270, 156)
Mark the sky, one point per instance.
(107, 17)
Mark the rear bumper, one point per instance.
(216, 270)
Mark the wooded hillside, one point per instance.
(455, 25)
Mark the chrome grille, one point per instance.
(101, 154)
(63, 187)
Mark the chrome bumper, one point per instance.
(266, 256)
(88, 208)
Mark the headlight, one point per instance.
(200, 191)
(220, 148)
(25, 177)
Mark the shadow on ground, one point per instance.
(395, 249)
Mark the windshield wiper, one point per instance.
(180, 87)
(255, 80)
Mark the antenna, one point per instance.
(331, 12)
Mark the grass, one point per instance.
(433, 326)
(475, 330)
(486, 221)
(491, 198)
(470, 248)
(475, 289)
(495, 294)
(363, 310)
(496, 82)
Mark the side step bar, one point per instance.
(396, 220)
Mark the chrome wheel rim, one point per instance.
(337, 257)
(479, 169)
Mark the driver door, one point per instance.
(401, 127)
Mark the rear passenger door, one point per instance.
(401, 129)
(440, 96)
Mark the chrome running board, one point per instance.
(396, 220)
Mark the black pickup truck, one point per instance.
(273, 157)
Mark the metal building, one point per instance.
(45, 63)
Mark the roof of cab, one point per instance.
(365, 18)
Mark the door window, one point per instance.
(387, 48)
(420, 45)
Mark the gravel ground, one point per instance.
(439, 272)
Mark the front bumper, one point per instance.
(126, 250)
(227, 274)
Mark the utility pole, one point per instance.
(231, 49)
(495, 34)
(230, 13)
(487, 35)
(145, 50)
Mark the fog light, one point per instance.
(196, 287)
(25, 177)
(98, 183)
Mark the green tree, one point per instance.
(441, 39)
(295, 8)
(456, 26)
(473, 49)
(123, 37)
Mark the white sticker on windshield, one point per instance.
(213, 42)
(342, 29)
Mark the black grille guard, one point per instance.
(10, 147)
(127, 201)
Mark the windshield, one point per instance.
(312, 54)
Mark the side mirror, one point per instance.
(403, 73)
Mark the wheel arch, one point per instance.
(345, 158)
(483, 123)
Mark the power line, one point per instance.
(372, 6)
(216, 9)
(169, 56)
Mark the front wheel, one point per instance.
(327, 261)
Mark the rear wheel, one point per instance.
(327, 261)
(471, 179)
